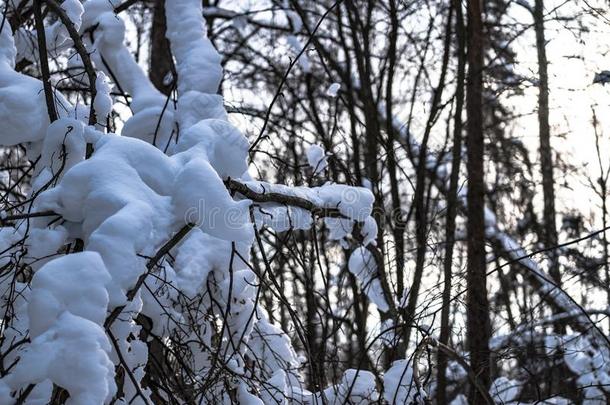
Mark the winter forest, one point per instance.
(304, 202)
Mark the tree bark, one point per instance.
(160, 53)
(546, 153)
(477, 305)
(452, 204)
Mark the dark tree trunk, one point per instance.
(546, 153)
(160, 53)
(441, 390)
(477, 305)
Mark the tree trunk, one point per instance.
(546, 153)
(160, 53)
(452, 204)
(477, 305)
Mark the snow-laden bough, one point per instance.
(100, 279)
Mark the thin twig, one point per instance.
(117, 349)
(125, 5)
(149, 266)
(285, 77)
(27, 215)
(279, 198)
(82, 52)
(471, 376)
(44, 63)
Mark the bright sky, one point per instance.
(574, 56)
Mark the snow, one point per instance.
(153, 124)
(73, 283)
(459, 400)
(297, 47)
(66, 308)
(339, 229)
(23, 110)
(362, 264)
(293, 41)
(5, 393)
(158, 301)
(316, 158)
(207, 203)
(355, 203)
(194, 105)
(131, 196)
(273, 346)
(118, 197)
(369, 231)
(362, 386)
(217, 141)
(282, 218)
(64, 136)
(333, 90)
(246, 397)
(293, 17)
(197, 61)
(42, 243)
(277, 392)
(128, 199)
(593, 396)
(153, 119)
(241, 289)
(504, 390)
(73, 354)
(197, 256)
(399, 387)
(587, 361)
(103, 102)
(355, 387)
(74, 10)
